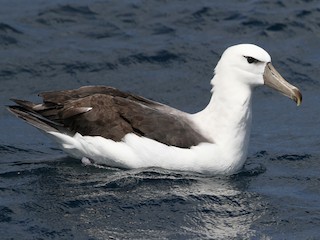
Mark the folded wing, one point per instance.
(110, 113)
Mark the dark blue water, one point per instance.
(164, 50)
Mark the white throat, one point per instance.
(227, 119)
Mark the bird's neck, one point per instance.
(227, 118)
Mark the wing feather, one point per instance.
(110, 113)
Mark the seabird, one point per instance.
(118, 129)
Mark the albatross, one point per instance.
(106, 126)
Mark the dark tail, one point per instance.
(27, 111)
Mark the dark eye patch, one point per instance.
(251, 60)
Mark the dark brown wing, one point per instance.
(110, 113)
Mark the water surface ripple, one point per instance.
(164, 50)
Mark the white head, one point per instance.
(250, 65)
(246, 61)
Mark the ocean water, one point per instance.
(166, 51)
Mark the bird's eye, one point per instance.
(251, 60)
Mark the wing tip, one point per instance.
(31, 118)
